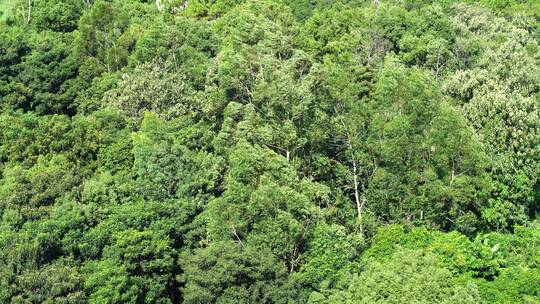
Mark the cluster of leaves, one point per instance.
(269, 151)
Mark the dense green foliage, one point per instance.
(269, 151)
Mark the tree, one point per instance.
(153, 87)
(330, 252)
(498, 101)
(186, 45)
(58, 16)
(107, 32)
(58, 282)
(226, 272)
(409, 277)
(40, 79)
(413, 151)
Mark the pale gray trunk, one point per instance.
(26, 11)
(359, 202)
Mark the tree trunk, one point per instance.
(174, 293)
(359, 204)
(26, 11)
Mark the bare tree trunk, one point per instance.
(359, 202)
(355, 183)
(26, 11)
(237, 236)
(159, 5)
(29, 11)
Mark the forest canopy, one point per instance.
(270, 151)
